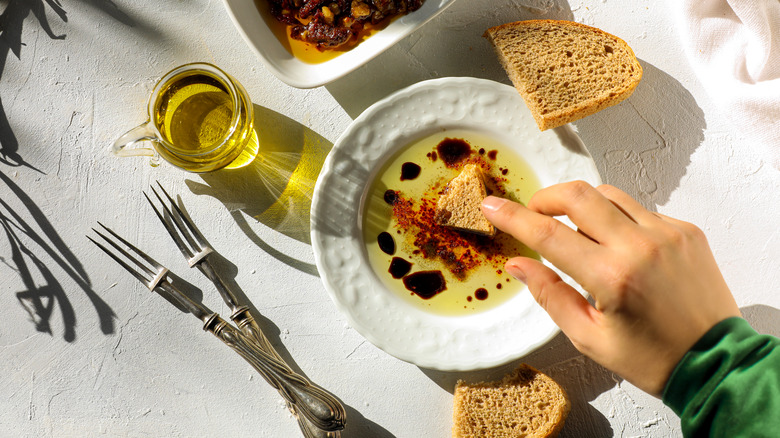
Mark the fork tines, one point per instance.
(150, 273)
(193, 245)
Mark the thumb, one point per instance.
(568, 309)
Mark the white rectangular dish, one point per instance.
(256, 30)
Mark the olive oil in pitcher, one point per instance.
(201, 120)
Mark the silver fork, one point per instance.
(318, 412)
(193, 245)
(196, 249)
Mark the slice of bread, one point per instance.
(459, 206)
(525, 404)
(565, 70)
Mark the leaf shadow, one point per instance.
(38, 300)
(11, 22)
(12, 19)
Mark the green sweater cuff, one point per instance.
(730, 371)
(700, 370)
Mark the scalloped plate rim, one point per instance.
(319, 245)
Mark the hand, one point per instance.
(656, 286)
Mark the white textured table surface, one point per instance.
(86, 351)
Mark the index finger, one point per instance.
(561, 245)
(591, 211)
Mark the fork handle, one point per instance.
(248, 326)
(204, 265)
(318, 406)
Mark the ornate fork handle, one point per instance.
(317, 405)
(248, 326)
(240, 314)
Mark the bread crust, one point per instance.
(544, 74)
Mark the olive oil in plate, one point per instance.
(433, 268)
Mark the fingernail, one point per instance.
(516, 272)
(493, 203)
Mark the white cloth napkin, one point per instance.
(734, 48)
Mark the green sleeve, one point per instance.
(728, 384)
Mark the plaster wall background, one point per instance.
(87, 351)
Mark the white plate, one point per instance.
(254, 28)
(476, 341)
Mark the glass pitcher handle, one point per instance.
(123, 145)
